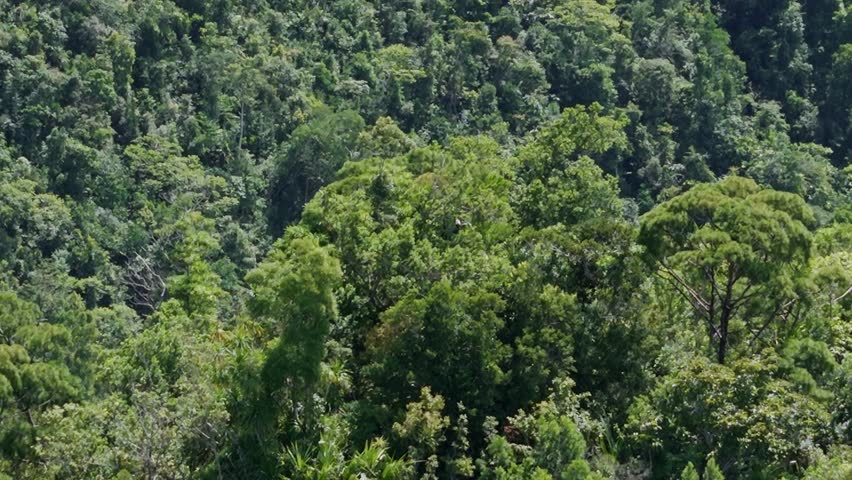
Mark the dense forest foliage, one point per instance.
(425, 239)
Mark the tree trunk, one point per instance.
(723, 337)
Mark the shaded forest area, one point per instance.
(425, 239)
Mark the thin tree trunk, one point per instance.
(723, 341)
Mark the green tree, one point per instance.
(746, 412)
(689, 473)
(838, 131)
(836, 465)
(712, 470)
(581, 47)
(541, 445)
(311, 158)
(34, 376)
(446, 339)
(293, 298)
(199, 288)
(293, 294)
(559, 181)
(735, 252)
